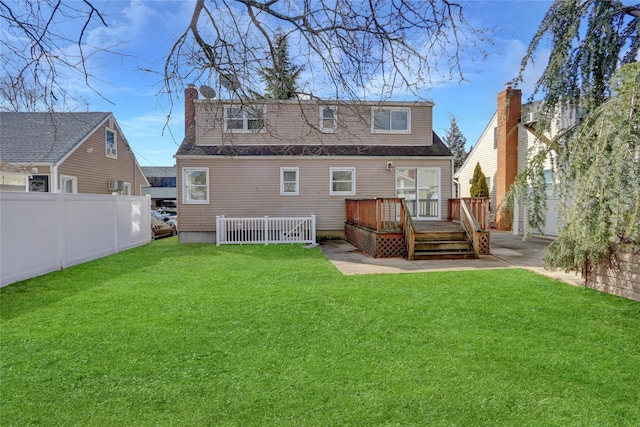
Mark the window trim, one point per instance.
(73, 179)
(353, 181)
(245, 118)
(334, 128)
(185, 186)
(390, 110)
(282, 181)
(107, 150)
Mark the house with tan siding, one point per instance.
(288, 158)
(70, 153)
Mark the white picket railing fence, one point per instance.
(265, 230)
(44, 232)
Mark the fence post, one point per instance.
(220, 231)
(61, 229)
(266, 230)
(313, 229)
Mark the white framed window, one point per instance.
(289, 181)
(111, 143)
(328, 119)
(126, 189)
(195, 185)
(244, 118)
(391, 120)
(342, 181)
(68, 184)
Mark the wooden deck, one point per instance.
(382, 227)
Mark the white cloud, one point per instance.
(145, 134)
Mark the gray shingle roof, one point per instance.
(159, 171)
(43, 137)
(188, 148)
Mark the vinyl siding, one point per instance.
(93, 170)
(250, 187)
(484, 153)
(296, 123)
(528, 147)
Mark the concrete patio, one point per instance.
(507, 251)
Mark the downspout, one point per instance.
(54, 178)
(133, 158)
(453, 180)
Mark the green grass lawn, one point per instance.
(196, 335)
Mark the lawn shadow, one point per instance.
(35, 293)
(151, 260)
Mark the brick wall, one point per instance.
(190, 95)
(622, 279)
(509, 111)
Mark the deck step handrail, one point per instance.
(409, 231)
(478, 207)
(470, 225)
(265, 230)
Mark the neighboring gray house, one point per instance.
(69, 153)
(304, 157)
(162, 181)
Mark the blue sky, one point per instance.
(142, 33)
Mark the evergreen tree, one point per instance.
(479, 187)
(282, 78)
(456, 142)
(595, 46)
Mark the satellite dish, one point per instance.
(229, 81)
(207, 91)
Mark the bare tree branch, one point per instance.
(354, 50)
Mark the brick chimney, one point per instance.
(509, 112)
(190, 95)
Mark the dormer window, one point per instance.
(244, 118)
(391, 120)
(111, 143)
(328, 119)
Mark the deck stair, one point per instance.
(451, 243)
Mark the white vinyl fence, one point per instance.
(44, 232)
(265, 230)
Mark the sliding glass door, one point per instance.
(420, 187)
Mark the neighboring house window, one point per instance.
(328, 119)
(162, 181)
(126, 189)
(244, 118)
(289, 181)
(39, 183)
(68, 184)
(391, 120)
(488, 179)
(548, 177)
(495, 138)
(195, 187)
(342, 181)
(111, 143)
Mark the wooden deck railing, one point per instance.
(385, 214)
(478, 207)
